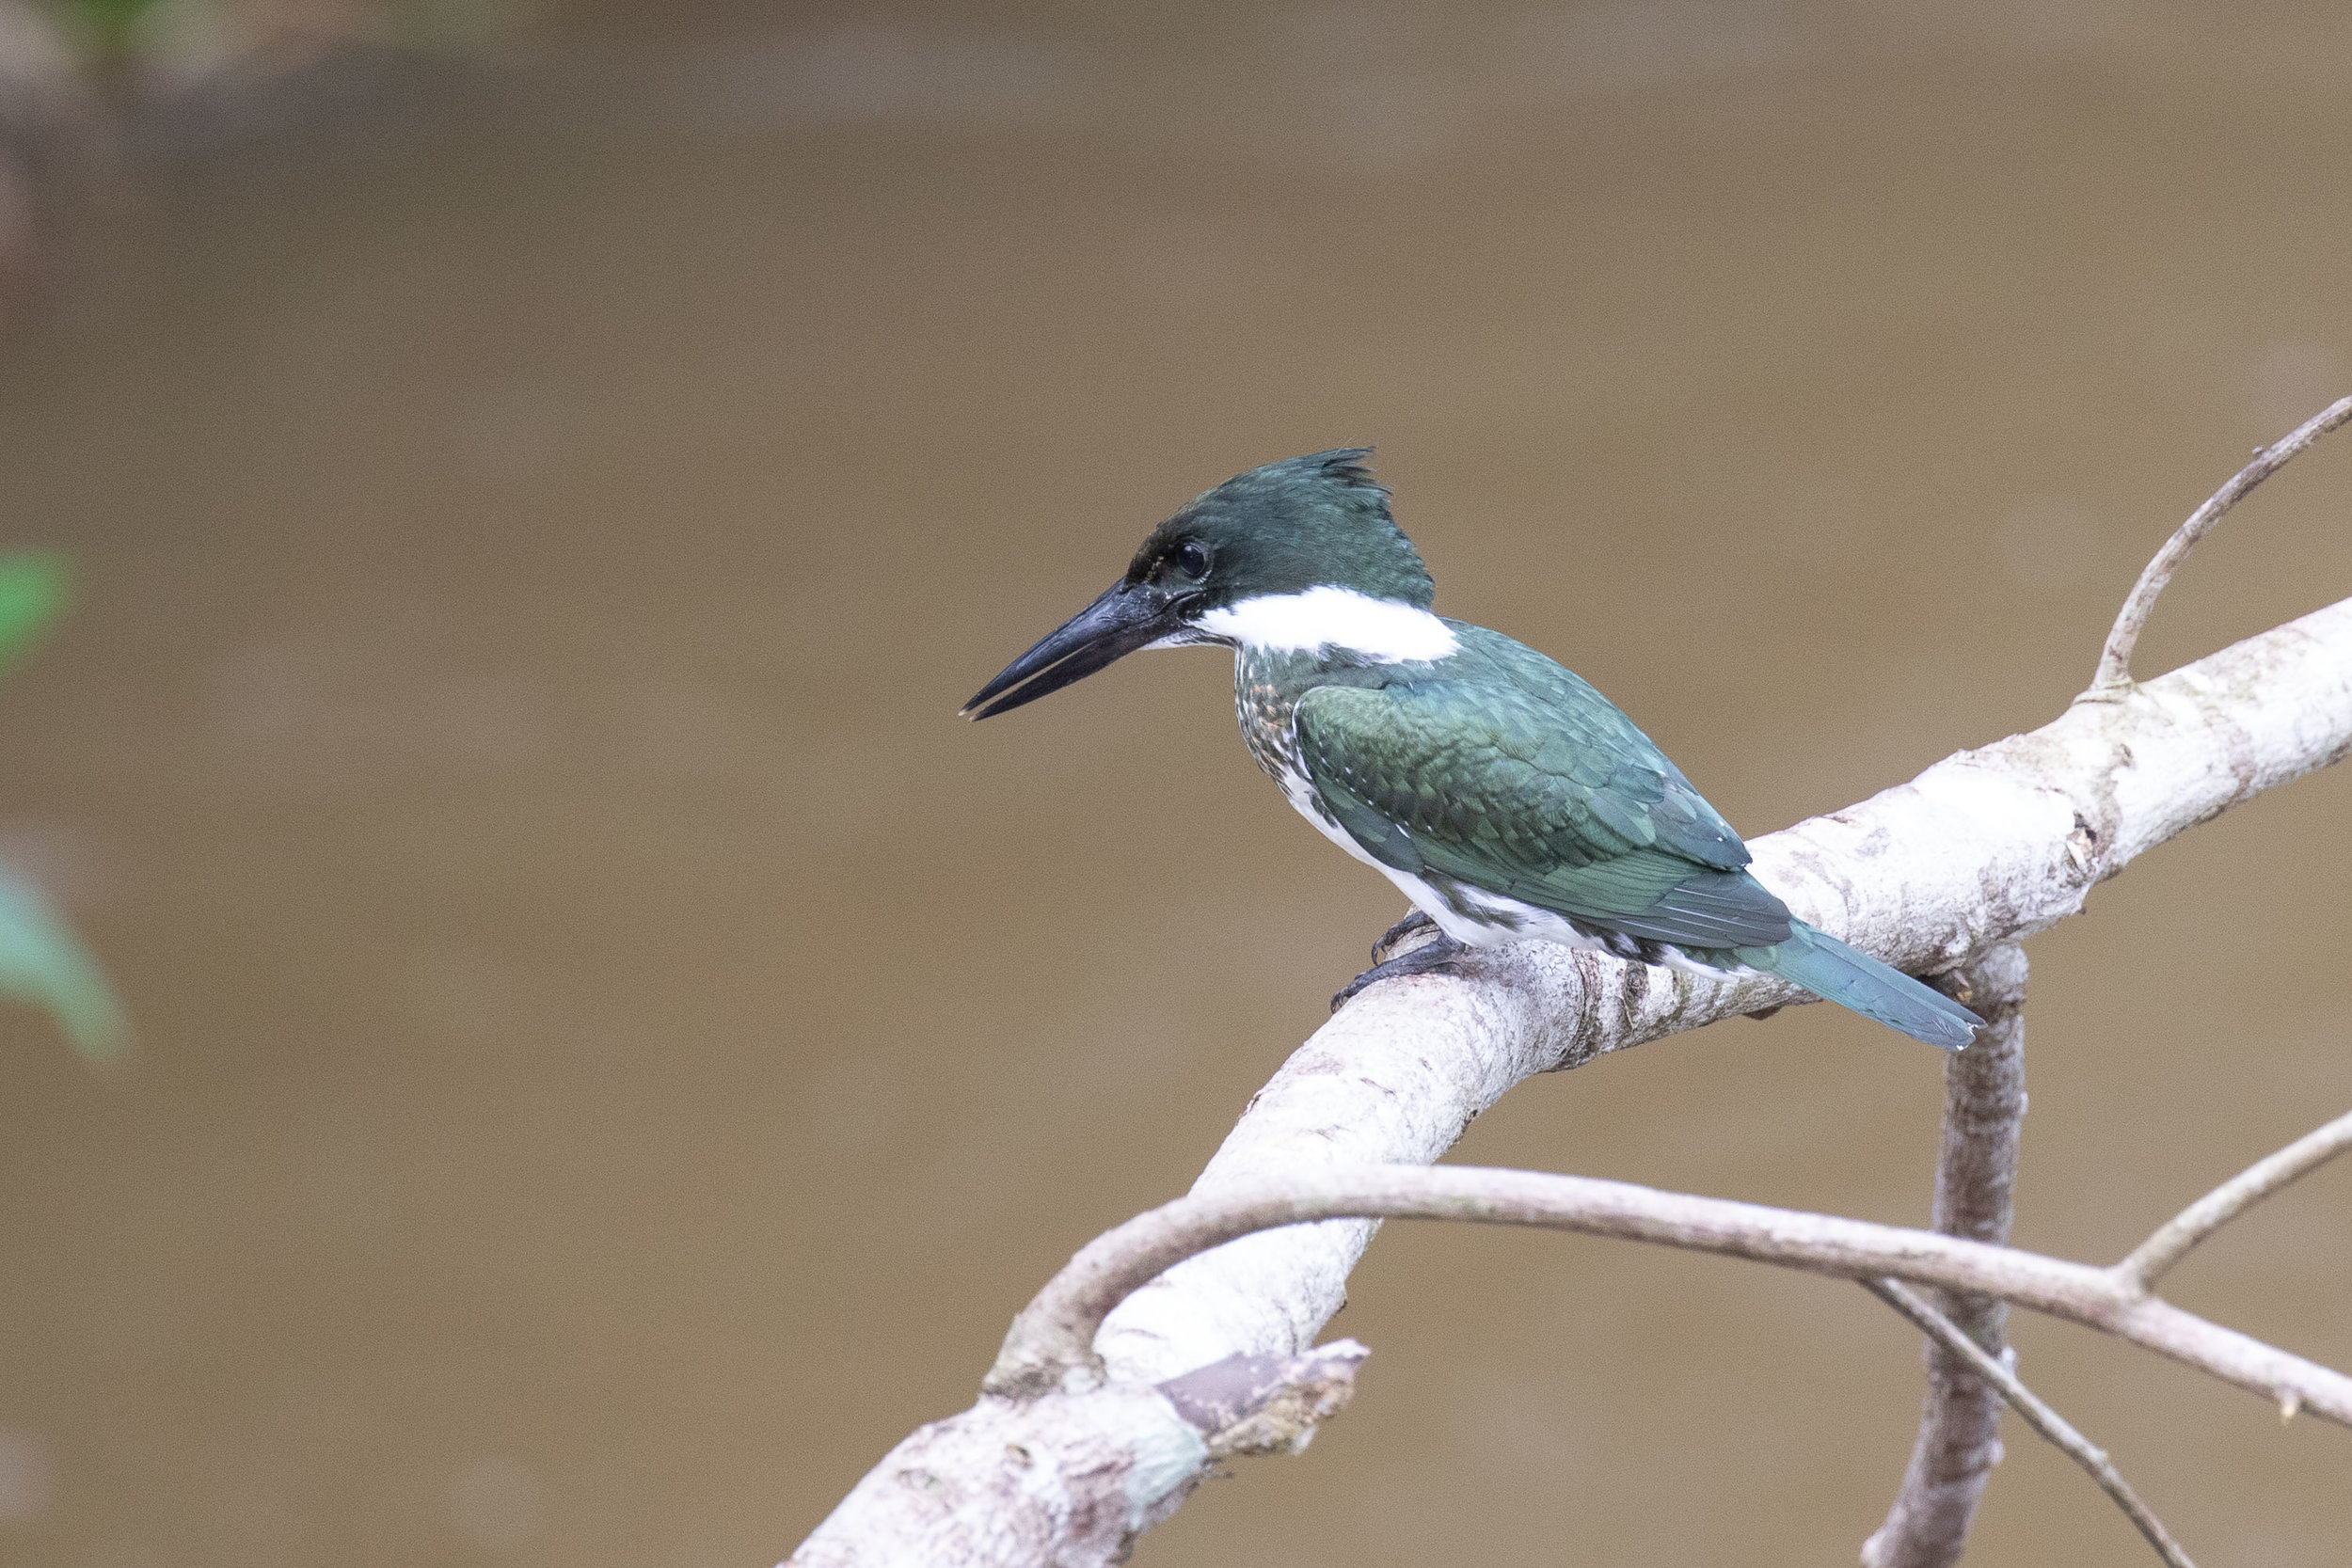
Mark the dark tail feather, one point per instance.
(1836, 973)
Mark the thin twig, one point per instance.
(2114, 676)
(1976, 1175)
(2038, 1415)
(1051, 1343)
(2209, 1213)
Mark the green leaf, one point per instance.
(34, 586)
(107, 28)
(43, 962)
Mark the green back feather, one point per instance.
(1500, 768)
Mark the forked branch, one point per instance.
(2170, 1244)
(2037, 1413)
(1067, 1460)
(2114, 676)
(1051, 1345)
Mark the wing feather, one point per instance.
(1533, 787)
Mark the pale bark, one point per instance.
(2153, 1257)
(1051, 1347)
(2114, 674)
(1987, 846)
(1975, 1181)
(2000, 1374)
(1073, 1477)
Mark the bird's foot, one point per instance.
(1396, 936)
(1432, 957)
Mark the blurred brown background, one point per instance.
(615, 1051)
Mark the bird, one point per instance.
(1505, 797)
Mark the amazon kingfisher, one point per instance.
(1507, 799)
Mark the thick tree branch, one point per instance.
(1072, 1478)
(1976, 1180)
(2170, 1244)
(1986, 847)
(2114, 674)
(1995, 1374)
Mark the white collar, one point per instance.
(1383, 631)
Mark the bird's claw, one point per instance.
(1429, 957)
(1399, 934)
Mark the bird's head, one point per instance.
(1300, 554)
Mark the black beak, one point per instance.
(1130, 616)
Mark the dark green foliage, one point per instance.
(34, 590)
(41, 962)
(107, 29)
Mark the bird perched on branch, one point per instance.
(1506, 797)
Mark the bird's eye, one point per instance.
(1192, 559)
